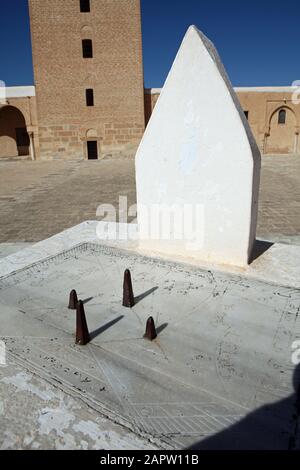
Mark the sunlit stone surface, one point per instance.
(198, 150)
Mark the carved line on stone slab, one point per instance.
(184, 424)
(33, 268)
(66, 386)
(142, 426)
(89, 248)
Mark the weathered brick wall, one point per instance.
(62, 75)
(151, 97)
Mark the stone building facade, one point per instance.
(88, 70)
(274, 117)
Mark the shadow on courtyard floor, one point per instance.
(272, 427)
(259, 249)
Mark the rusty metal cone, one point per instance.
(73, 300)
(82, 332)
(128, 297)
(150, 330)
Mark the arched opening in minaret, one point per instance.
(14, 138)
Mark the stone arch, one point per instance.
(86, 32)
(91, 134)
(14, 138)
(282, 138)
(92, 151)
(278, 109)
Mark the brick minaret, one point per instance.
(88, 71)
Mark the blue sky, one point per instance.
(258, 40)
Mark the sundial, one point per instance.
(223, 349)
(215, 367)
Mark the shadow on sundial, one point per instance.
(105, 327)
(256, 430)
(141, 297)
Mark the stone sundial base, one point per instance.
(221, 362)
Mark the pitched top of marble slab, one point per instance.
(198, 149)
